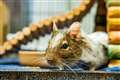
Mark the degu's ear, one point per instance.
(55, 29)
(74, 30)
(54, 26)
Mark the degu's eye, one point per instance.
(64, 46)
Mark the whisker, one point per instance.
(70, 69)
(60, 68)
(78, 63)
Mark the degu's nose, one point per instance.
(50, 61)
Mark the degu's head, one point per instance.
(63, 48)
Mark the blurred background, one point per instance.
(24, 12)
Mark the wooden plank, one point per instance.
(33, 58)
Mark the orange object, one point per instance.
(114, 63)
(82, 7)
(47, 25)
(61, 20)
(113, 24)
(14, 42)
(114, 37)
(34, 28)
(86, 2)
(26, 31)
(113, 27)
(113, 12)
(33, 58)
(7, 46)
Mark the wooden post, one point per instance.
(4, 21)
(100, 16)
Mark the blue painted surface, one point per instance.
(116, 69)
(13, 64)
(9, 61)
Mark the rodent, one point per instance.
(66, 48)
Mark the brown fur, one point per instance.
(66, 49)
